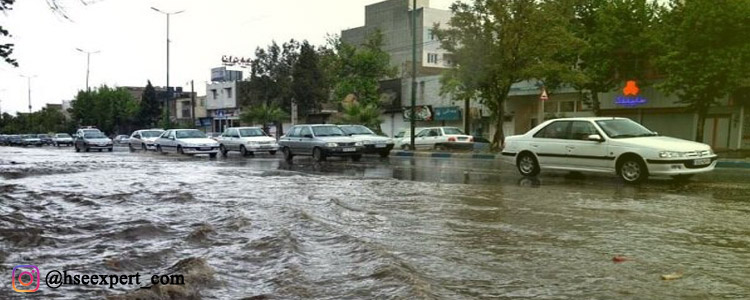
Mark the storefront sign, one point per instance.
(233, 60)
(451, 113)
(630, 97)
(422, 113)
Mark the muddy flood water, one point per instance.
(398, 228)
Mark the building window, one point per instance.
(432, 58)
(186, 109)
(431, 34)
(228, 91)
(447, 60)
(567, 106)
(214, 94)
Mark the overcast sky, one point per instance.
(131, 38)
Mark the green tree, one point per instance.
(362, 114)
(6, 50)
(496, 43)
(263, 114)
(111, 110)
(620, 43)
(309, 85)
(707, 53)
(358, 70)
(150, 110)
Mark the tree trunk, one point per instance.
(701, 125)
(499, 136)
(595, 105)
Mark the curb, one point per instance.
(722, 164)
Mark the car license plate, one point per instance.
(204, 149)
(103, 145)
(350, 149)
(702, 162)
(380, 146)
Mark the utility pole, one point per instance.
(413, 70)
(1, 101)
(192, 101)
(28, 78)
(88, 64)
(169, 95)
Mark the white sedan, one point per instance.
(186, 141)
(609, 145)
(247, 140)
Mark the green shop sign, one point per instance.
(451, 113)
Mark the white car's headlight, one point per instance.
(358, 144)
(367, 142)
(331, 145)
(671, 154)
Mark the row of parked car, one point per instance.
(26, 140)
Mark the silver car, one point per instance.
(320, 141)
(144, 139)
(247, 140)
(186, 141)
(373, 143)
(87, 140)
(62, 139)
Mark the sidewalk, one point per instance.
(729, 163)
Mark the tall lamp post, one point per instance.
(88, 63)
(169, 95)
(28, 78)
(1, 102)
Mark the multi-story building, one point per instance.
(222, 105)
(393, 19)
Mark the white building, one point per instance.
(222, 106)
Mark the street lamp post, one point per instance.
(28, 78)
(88, 64)
(169, 95)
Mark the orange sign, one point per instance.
(631, 89)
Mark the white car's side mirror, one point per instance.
(595, 137)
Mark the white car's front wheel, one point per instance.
(632, 170)
(528, 165)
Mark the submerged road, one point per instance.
(413, 228)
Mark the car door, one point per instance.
(170, 142)
(230, 141)
(422, 139)
(305, 141)
(585, 153)
(289, 139)
(549, 144)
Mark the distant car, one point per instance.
(247, 140)
(402, 138)
(144, 139)
(91, 139)
(62, 139)
(31, 140)
(481, 144)
(609, 145)
(3, 139)
(372, 143)
(442, 138)
(121, 139)
(186, 141)
(213, 135)
(45, 138)
(15, 140)
(320, 141)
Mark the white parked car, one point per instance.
(247, 140)
(402, 138)
(373, 143)
(186, 141)
(609, 145)
(144, 139)
(62, 139)
(440, 138)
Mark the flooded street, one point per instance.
(400, 228)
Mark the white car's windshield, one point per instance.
(357, 130)
(189, 134)
(94, 135)
(151, 133)
(321, 131)
(250, 132)
(624, 128)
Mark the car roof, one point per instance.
(589, 119)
